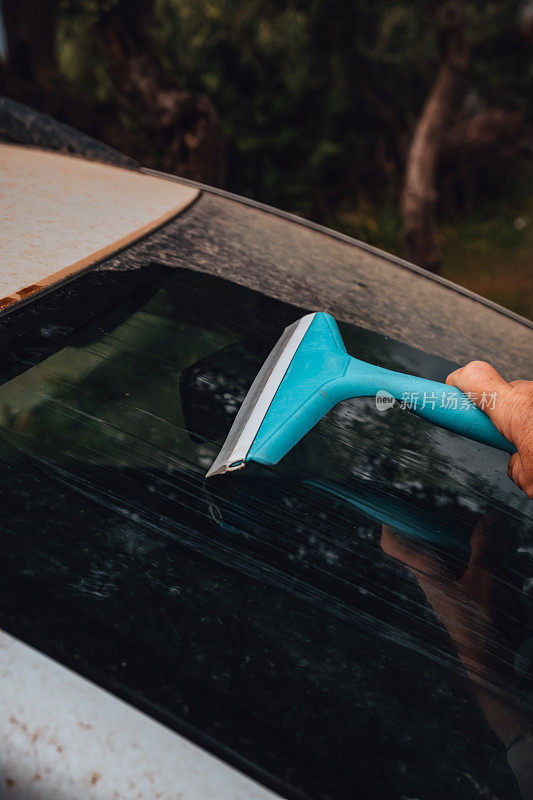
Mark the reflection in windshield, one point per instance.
(478, 608)
(364, 602)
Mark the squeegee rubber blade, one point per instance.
(257, 402)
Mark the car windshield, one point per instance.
(317, 623)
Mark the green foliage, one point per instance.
(317, 98)
(501, 66)
(295, 85)
(88, 73)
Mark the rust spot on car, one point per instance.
(36, 777)
(20, 294)
(95, 777)
(27, 290)
(85, 726)
(14, 721)
(10, 782)
(7, 301)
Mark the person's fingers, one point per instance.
(423, 563)
(520, 470)
(509, 406)
(486, 388)
(521, 474)
(526, 468)
(518, 474)
(487, 545)
(390, 542)
(513, 467)
(476, 376)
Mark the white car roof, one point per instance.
(59, 214)
(64, 738)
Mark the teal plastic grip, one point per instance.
(443, 405)
(322, 374)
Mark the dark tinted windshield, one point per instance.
(267, 614)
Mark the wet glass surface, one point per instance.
(356, 619)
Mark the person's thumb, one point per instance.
(510, 407)
(487, 390)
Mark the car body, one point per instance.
(249, 634)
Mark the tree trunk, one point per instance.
(419, 197)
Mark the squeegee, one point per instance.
(308, 372)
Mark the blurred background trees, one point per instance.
(317, 107)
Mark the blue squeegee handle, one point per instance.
(322, 374)
(443, 405)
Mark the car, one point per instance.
(354, 621)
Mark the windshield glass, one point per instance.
(354, 619)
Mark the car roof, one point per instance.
(59, 214)
(91, 744)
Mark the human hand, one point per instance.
(511, 412)
(478, 604)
